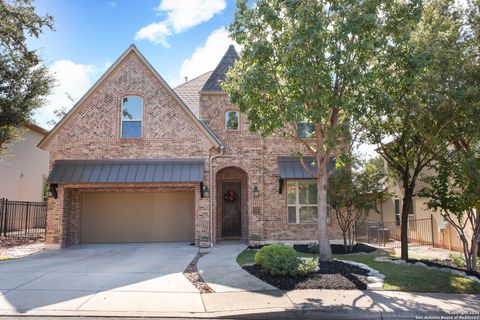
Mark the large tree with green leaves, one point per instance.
(306, 61)
(455, 184)
(24, 81)
(410, 114)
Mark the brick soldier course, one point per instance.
(170, 130)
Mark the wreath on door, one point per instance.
(230, 196)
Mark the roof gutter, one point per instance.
(210, 182)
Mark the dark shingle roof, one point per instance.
(189, 92)
(218, 75)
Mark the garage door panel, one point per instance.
(137, 217)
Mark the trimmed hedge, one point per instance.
(278, 260)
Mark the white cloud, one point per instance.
(181, 15)
(71, 79)
(206, 57)
(155, 32)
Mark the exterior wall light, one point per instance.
(206, 192)
(256, 192)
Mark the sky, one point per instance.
(180, 38)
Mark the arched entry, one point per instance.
(231, 217)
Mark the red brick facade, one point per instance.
(92, 131)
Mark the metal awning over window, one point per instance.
(126, 171)
(291, 168)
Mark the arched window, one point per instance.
(232, 120)
(132, 115)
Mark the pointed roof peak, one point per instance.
(218, 75)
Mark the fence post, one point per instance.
(383, 233)
(5, 213)
(26, 220)
(1, 215)
(431, 227)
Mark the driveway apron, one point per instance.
(101, 277)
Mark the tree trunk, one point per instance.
(345, 244)
(350, 239)
(407, 204)
(474, 254)
(325, 251)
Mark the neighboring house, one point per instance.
(24, 169)
(136, 161)
(423, 222)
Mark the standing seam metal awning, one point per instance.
(126, 171)
(291, 167)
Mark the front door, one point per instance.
(231, 209)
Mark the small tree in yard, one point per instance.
(305, 61)
(24, 81)
(455, 192)
(354, 194)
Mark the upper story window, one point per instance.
(132, 115)
(232, 120)
(306, 130)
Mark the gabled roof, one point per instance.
(35, 127)
(190, 92)
(131, 48)
(218, 75)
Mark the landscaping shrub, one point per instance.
(458, 260)
(278, 260)
(307, 265)
(313, 248)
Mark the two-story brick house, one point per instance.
(137, 161)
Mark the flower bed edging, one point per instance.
(422, 265)
(374, 276)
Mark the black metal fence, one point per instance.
(22, 219)
(388, 234)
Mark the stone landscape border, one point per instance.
(422, 265)
(374, 276)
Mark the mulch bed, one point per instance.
(332, 275)
(339, 248)
(191, 273)
(445, 263)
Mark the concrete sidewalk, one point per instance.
(219, 268)
(297, 304)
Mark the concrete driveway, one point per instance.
(101, 278)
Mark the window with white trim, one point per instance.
(232, 120)
(306, 130)
(398, 213)
(132, 117)
(302, 201)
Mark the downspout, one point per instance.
(210, 182)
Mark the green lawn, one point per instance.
(4, 258)
(398, 277)
(408, 278)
